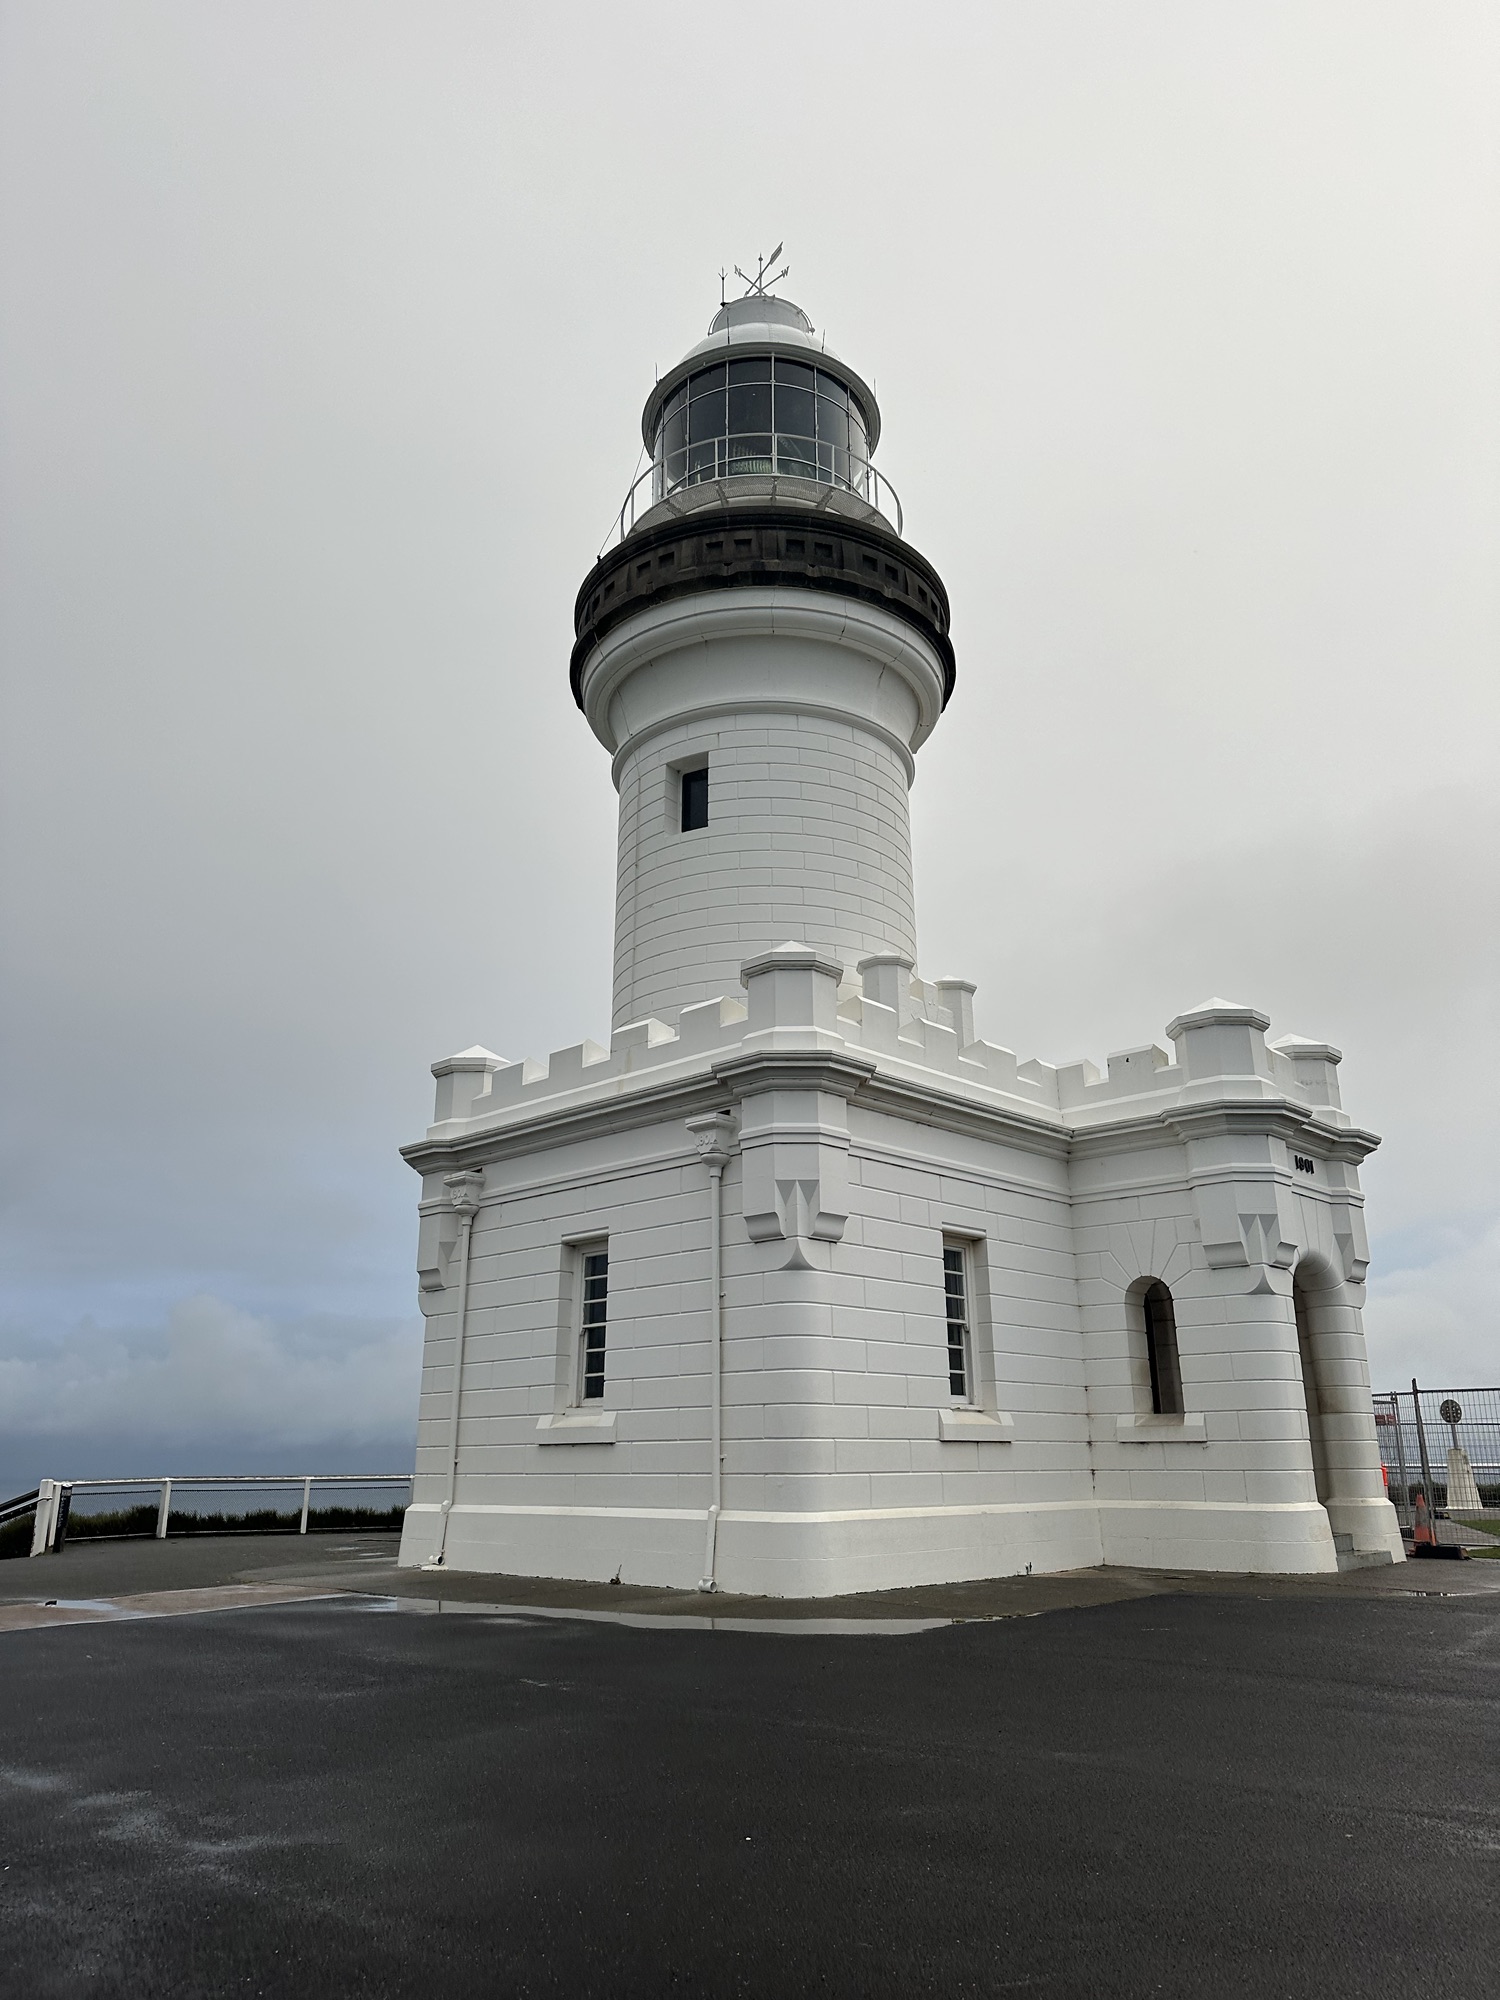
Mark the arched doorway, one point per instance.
(1335, 1375)
(1311, 1387)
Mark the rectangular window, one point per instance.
(594, 1271)
(958, 1290)
(694, 799)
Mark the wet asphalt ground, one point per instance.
(1262, 1790)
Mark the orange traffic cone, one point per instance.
(1422, 1529)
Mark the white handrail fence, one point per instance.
(53, 1497)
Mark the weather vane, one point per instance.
(756, 287)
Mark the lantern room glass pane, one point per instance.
(796, 412)
(749, 407)
(705, 418)
(833, 423)
(673, 435)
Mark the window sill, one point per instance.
(1191, 1429)
(965, 1426)
(577, 1427)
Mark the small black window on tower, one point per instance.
(1161, 1351)
(694, 799)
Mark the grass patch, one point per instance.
(1479, 1527)
(15, 1537)
(121, 1521)
(135, 1522)
(268, 1521)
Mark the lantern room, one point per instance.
(761, 397)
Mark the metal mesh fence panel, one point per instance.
(1434, 1439)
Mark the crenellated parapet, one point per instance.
(903, 1026)
(1256, 1125)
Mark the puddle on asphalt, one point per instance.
(666, 1621)
(1438, 1591)
(105, 1607)
(82, 1611)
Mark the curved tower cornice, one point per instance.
(731, 540)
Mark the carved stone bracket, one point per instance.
(464, 1189)
(794, 1147)
(714, 1136)
(1247, 1217)
(438, 1227)
(794, 1137)
(1248, 1214)
(1352, 1242)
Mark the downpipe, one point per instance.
(714, 1134)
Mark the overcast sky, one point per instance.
(326, 329)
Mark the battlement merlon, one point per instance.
(461, 1079)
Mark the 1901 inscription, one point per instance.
(1302, 1163)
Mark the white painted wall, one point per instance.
(809, 837)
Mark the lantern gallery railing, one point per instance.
(716, 461)
(137, 1499)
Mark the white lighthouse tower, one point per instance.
(798, 1287)
(762, 656)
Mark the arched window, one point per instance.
(1161, 1350)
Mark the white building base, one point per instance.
(765, 1555)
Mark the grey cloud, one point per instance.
(1438, 1316)
(210, 1388)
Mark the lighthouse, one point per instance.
(795, 1285)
